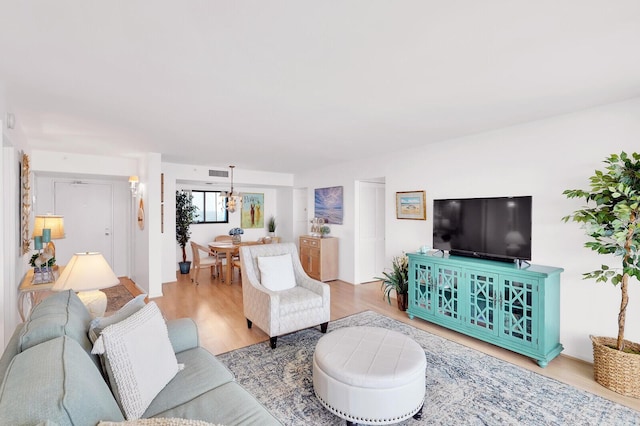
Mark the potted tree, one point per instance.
(397, 280)
(185, 212)
(611, 219)
(271, 226)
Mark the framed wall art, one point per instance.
(252, 213)
(411, 205)
(25, 204)
(329, 204)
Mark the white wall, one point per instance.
(541, 159)
(13, 264)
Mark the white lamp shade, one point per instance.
(53, 222)
(85, 272)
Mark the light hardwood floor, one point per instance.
(216, 307)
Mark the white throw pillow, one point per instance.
(100, 323)
(276, 272)
(139, 357)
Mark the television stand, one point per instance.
(497, 302)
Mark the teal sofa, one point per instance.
(49, 376)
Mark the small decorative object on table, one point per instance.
(324, 231)
(236, 235)
(316, 225)
(43, 260)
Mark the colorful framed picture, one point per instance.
(411, 205)
(252, 213)
(329, 204)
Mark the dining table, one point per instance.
(230, 249)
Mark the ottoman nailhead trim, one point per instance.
(346, 416)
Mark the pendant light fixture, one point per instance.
(232, 198)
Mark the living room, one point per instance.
(539, 154)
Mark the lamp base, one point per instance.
(95, 301)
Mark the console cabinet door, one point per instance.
(519, 311)
(421, 287)
(482, 302)
(449, 283)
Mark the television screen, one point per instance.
(493, 228)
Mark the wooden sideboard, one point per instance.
(319, 257)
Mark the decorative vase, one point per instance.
(614, 369)
(236, 239)
(184, 267)
(403, 301)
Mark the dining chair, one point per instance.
(211, 260)
(235, 259)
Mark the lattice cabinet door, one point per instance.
(421, 285)
(448, 285)
(518, 310)
(482, 300)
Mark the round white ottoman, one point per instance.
(369, 375)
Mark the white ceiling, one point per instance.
(290, 85)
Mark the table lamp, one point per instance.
(55, 226)
(87, 273)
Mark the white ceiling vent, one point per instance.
(219, 173)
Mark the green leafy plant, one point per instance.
(611, 220)
(185, 213)
(397, 279)
(271, 225)
(49, 264)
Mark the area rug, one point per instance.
(464, 386)
(117, 297)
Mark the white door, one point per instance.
(370, 230)
(88, 219)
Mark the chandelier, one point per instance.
(233, 198)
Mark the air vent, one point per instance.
(219, 173)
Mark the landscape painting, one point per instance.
(252, 213)
(411, 205)
(329, 204)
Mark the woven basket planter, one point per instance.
(614, 369)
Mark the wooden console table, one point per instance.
(31, 293)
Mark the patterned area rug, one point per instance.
(117, 297)
(464, 386)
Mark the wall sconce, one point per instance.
(133, 185)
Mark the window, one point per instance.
(211, 207)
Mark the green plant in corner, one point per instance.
(611, 220)
(397, 279)
(185, 214)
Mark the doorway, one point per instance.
(370, 230)
(88, 219)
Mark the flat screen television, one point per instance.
(496, 228)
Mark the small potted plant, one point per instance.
(185, 213)
(611, 219)
(324, 231)
(236, 235)
(397, 280)
(271, 226)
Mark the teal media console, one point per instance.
(511, 306)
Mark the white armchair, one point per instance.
(278, 312)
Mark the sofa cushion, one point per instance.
(55, 381)
(298, 299)
(131, 307)
(202, 372)
(61, 314)
(159, 422)
(139, 358)
(228, 404)
(276, 272)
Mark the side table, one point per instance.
(31, 293)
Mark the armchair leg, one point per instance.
(272, 341)
(249, 323)
(323, 327)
